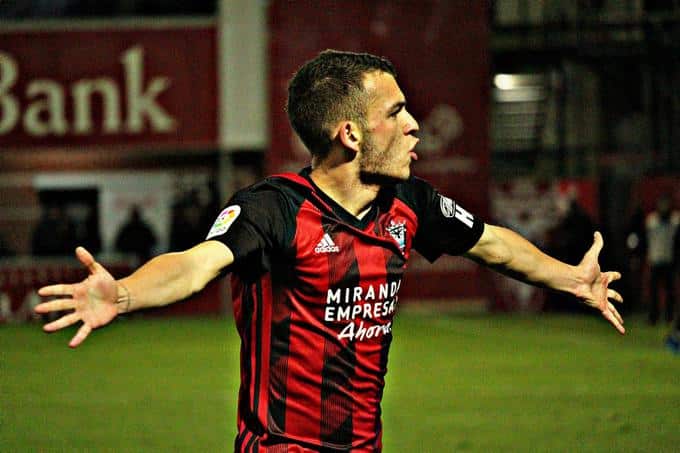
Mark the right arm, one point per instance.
(255, 219)
(172, 277)
(98, 299)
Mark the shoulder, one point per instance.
(271, 205)
(273, 191)
(263, 213)
(415, 191)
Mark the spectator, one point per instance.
(55, 233)
(136, 237)
(662, 234)
(187, 227)
(636, 250)
(673, 339)
(87, 231)
(576, 230)
(569, 239)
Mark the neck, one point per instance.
(341, 182)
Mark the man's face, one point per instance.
(388, 140)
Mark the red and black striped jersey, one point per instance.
(314, 292)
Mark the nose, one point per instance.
(411, 125)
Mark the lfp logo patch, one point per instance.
(224, 221)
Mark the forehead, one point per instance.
(383, 90)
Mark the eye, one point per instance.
(396, 111)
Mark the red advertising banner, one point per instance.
(440, 52)
(99, 85)
(650, 189)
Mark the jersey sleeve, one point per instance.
(253, 223)
(444, 226)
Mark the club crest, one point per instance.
(398, 232)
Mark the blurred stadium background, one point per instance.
(551, 117)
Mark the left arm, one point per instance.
(509, 253)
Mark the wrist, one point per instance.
(579, 286)
(124, 298)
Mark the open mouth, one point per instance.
(412, 153)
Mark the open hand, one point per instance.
(594, 290)
(93, 300)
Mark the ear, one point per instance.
(350, 135)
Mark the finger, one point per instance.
(612, 276)
(598, 243)
(56, 290)
(55, 305)
(62, 322)
(80, 336)
(614, 295)
(615, 312)
(615, 322)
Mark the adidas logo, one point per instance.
(326, 245)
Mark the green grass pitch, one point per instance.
(455, 383)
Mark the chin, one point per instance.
(383, 178)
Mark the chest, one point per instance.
(360, 260)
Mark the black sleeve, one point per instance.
(254, 223)
(444, 226)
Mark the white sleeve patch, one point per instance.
(450, 209)
(224, 221)
(464, 216)
(447, 206)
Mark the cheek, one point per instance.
(381, 127)
(384, 134)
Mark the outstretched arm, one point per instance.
(509, 253)
(99, 298)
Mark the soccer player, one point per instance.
(317, 259)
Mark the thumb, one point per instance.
(596, 248)
(87, 259)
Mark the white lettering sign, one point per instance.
(42, 110)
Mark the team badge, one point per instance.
(398, 232)
(224, 221)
